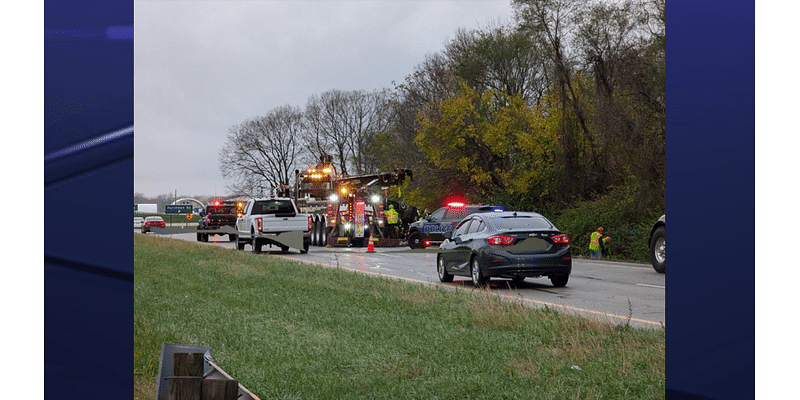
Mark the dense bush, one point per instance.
(618, 214)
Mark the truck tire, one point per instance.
(199, 237)
(232, 237)
(316, 234)
(306, 244)
(658, 255)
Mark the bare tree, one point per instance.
(343, 124)
(327, 133)
(260, 153)
(365, 118)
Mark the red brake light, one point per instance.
(260, 227)
(310, 223)
(562, 238)
(501, 240)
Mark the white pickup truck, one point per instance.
(273, 221)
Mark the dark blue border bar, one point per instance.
(711, 199)
(88, 183)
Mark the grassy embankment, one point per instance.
(288, 330)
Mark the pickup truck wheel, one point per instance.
(205, 237)
(306, 244)
(199, 237)
(239, 243)
(232, 237)
(256, 244)
(284, 249)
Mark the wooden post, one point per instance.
(186, 382)
(220, 389)
(187, 364)
(185, 387)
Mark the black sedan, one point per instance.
(511, 244)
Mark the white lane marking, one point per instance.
(653, 286)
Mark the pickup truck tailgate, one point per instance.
(278, 223)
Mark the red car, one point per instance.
(153, 222)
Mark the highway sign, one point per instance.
(178, 209)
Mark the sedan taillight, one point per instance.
(562, 238)
(501, 240)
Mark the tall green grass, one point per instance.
(287, 330)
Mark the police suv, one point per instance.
(431, 229)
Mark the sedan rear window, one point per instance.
(522, 222)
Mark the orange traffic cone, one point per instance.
(371, 245)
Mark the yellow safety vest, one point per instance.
(391, 216)
(594, 242)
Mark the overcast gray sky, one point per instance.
(203, 66)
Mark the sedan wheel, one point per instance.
(477, 275)
(559, 280)
(444, 276)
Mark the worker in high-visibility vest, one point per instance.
(391, 220)
(597, 242)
